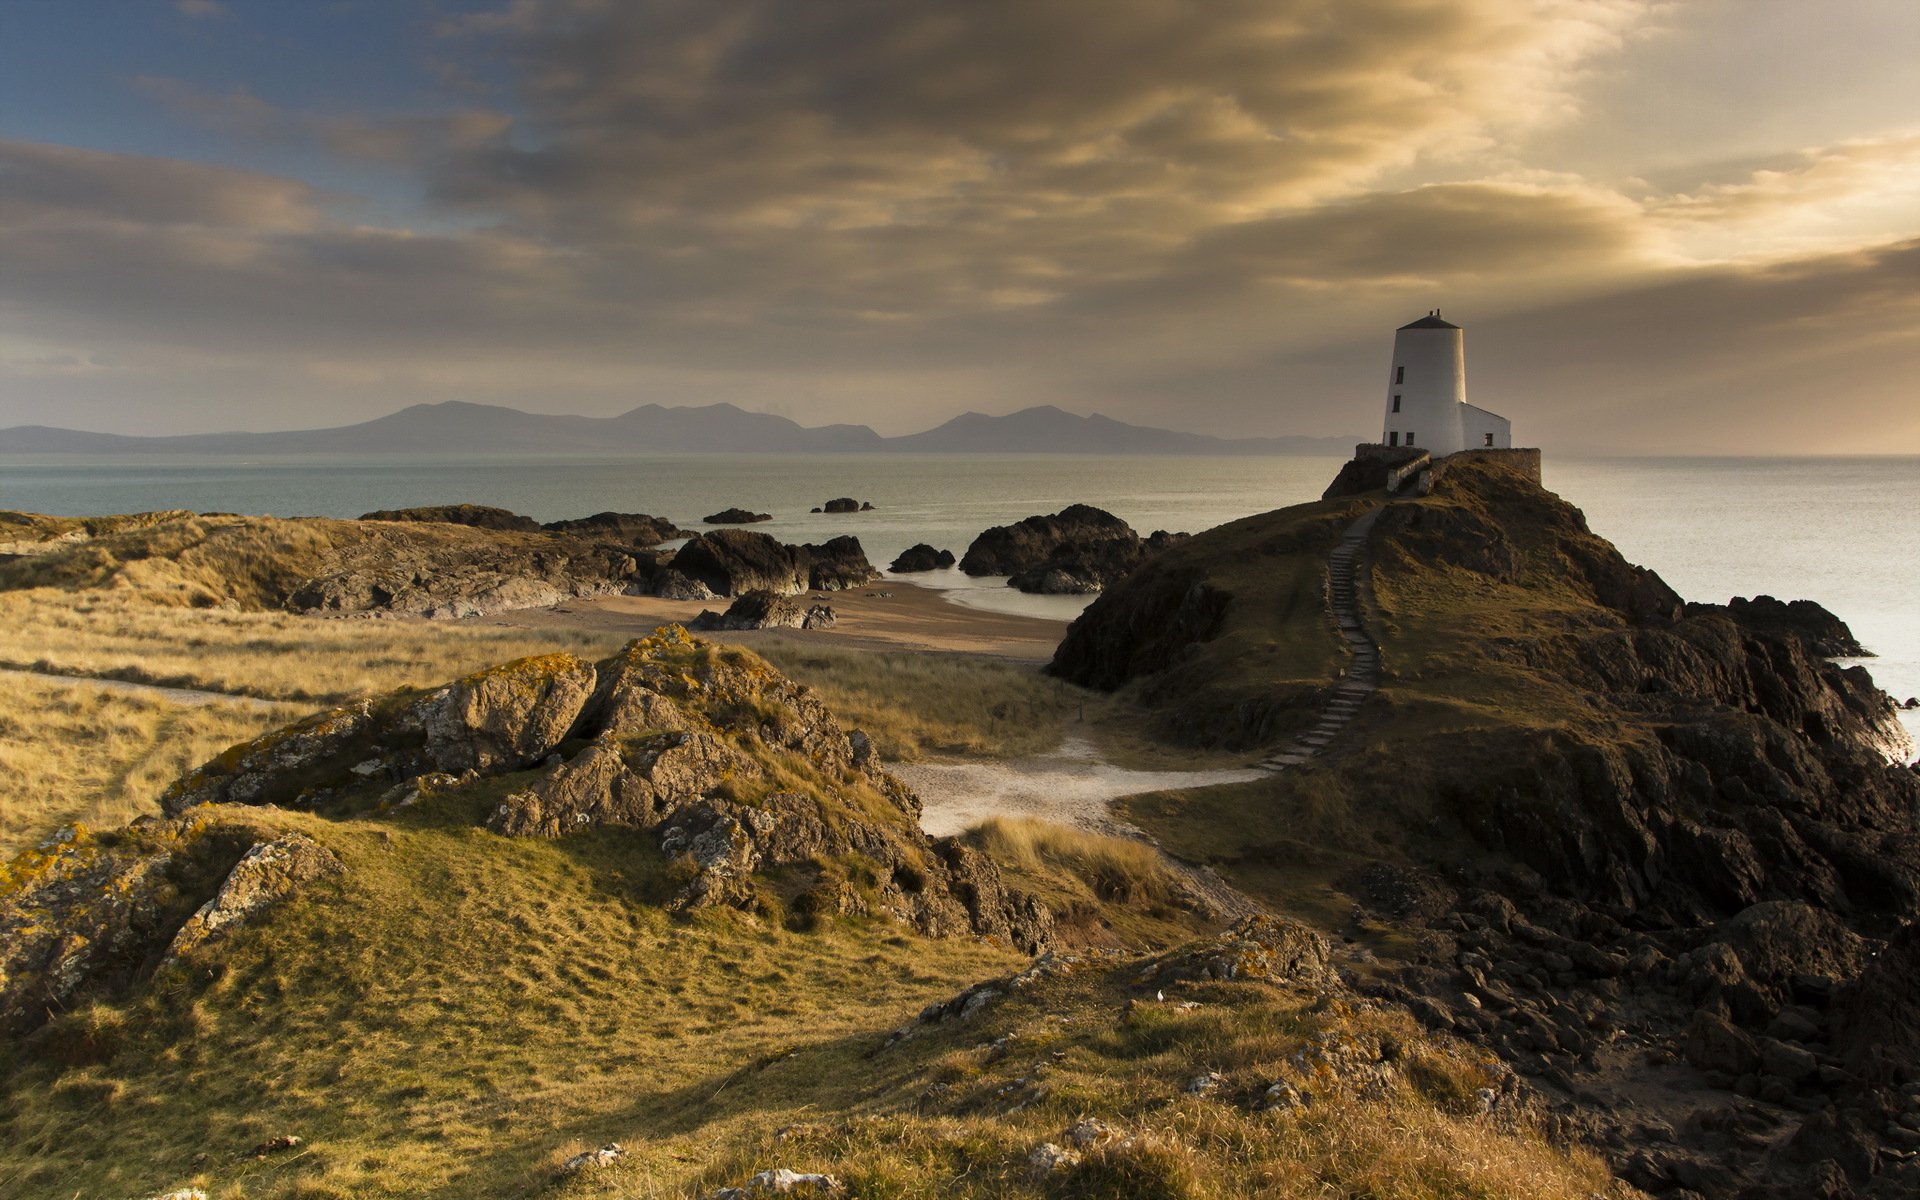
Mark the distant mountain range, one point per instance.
(456, 427)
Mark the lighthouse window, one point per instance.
(1399, 374)
(1409, 437)
(1396, 404)
(1393, 439)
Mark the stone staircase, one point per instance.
(1363, 675)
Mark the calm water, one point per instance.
(1840, 531)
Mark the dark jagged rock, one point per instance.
(1006, 549)
(766, 610)
(845, 504)
(732, 562)
(1078, 550)
(736, 516)
(478, 516)
(735, 769)
(1141, 628)
(1825, 633)
(632, 529)
(921, 557)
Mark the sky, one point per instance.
(1667, 226)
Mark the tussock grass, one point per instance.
(1115, 868)
(77, 752)
(918, 705)
(279, 656)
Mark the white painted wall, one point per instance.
(1480, 429)
(1429, 375)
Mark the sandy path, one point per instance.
(891, 615)
(1071, 785)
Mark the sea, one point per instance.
(1838, 530)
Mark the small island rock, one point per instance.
(736, 516)
(921, 557)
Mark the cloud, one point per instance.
(44, 184)
(405, 139)
(200, 9)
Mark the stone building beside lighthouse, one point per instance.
(1427, 393)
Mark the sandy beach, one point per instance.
(890, 615)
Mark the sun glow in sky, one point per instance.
(1668, 226)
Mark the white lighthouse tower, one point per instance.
(1427, 393)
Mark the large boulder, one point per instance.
(733, 562)
(921, 557)
(766, 610)
(1007, 549)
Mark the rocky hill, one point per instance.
(658, 924)
(1648, 850)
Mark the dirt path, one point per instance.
(173, 695)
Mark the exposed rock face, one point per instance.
(631, 529)
(733, 562)
(921, 557)
(266, 874)
(1078, 550)
(767, 610)
(84, 916)
(737, 771)
(845, 504)
(669, 584)
(1824, 633)
(433, 580)
(736, 516)
(478, 516)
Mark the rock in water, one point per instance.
(921, 557)
(736, 516)
(1823, 632)
(1079, 549)
(845, 504)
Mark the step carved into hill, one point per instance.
(1344, 565)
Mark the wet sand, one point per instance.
(892, 615)
(1069, 785)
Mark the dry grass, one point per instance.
(1114, 868)
(78, 752)
(277, 656)
(458, 1010)
(919, 705)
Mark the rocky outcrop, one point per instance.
(766, 610)
(86, 916)
(921, 557)
(733, 562)
(477, 516)
(739, 773)
(845, 504)
(1005, 549)
(265, 875)
(736, 516)
(669, 584)
(1078, 550)
(1824, 633)
(629, 529)
(1368, 471)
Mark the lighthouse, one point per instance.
(1427, 393)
